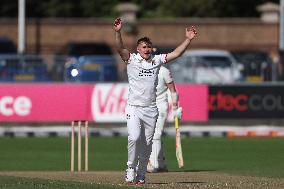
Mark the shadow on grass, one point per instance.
(188, 171)
(166, 183)
(197, 170)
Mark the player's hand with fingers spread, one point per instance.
(190, 32)
(117, 25)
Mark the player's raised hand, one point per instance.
(117, 25)
(190, 32)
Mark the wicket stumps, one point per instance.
(79, 123)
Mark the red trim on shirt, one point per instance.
(128, 56)
(166, 58)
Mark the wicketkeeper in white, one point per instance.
(141, 110)
(157, 161)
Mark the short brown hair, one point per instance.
(144, 40)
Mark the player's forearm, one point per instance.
(179, 50)
(175, 98)
(182, 47)
(118, 41)
(174, 95)
(123, 52)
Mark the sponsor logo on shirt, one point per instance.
(127, 116)
(146, 73)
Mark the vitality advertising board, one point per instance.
(108, 102)
(43, 102)
(93, 102)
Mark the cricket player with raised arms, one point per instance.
(141, 110)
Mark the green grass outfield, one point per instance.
(242, 156)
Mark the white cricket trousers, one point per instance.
(157, 157)
(141, 123)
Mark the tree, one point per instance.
(202, 8)
(149, 8)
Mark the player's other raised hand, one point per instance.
(117, 24)
(190, 32)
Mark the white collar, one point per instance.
(140, 58)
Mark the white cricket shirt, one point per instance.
(143, 79)
(164, 78)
